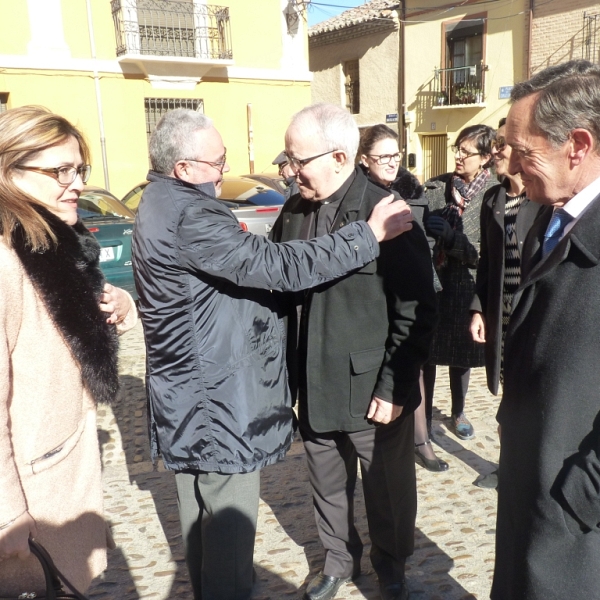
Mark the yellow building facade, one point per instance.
(460, 65)
(114, 67)
(426, 69)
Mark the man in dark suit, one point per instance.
(548, 529)
(360, 344)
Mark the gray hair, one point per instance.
(173, 139)
(334, 125)
(568, 99)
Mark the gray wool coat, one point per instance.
(452, 344)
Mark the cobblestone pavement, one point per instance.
(454, 554)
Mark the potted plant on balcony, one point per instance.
(442, 98)
(462, 94)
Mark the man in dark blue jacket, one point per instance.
(218, 400)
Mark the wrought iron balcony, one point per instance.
(172, 28)
(459, 86)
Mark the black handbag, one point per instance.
(54, 579)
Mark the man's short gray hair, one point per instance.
(334, 125)
(173, 139)
(569, 98)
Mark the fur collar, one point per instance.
(69, 281)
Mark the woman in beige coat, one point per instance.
(58, 328)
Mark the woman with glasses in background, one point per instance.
(380, 157)
(455, 204)
(58, 355)
(506, 217)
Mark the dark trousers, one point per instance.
(387, 463)
(459, 386)
(218, 514)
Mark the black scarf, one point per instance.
(69, 281)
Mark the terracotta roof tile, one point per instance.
(369, 11)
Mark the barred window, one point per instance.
(3, 102)
(157, 107)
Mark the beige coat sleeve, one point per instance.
(131, 317)
(12, 497)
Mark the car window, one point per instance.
(256, 198)
(132, 199)
(96, 204)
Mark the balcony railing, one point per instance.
(459, 86)
(172, 28)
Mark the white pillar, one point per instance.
(46, 24)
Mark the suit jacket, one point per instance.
(548, 530)
(369, 332)
(490, 271)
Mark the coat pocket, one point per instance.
(60, 452)
(364, 368)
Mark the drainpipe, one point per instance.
(250, 137)
(402, 84)
(98, 96)
(529, 39)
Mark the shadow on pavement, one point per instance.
(131, 418)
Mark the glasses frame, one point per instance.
(84, 171)
(397, 157)
(297, 164)
(217, 165)
(462, 154)
(496, 144)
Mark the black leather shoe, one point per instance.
(324, 587)
(394, 591)
(435, 465)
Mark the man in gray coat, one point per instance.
(548, 527)
(361, 343)
(218, 400)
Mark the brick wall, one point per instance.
(558, 32)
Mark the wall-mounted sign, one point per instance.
(392, 118)
(504, 92)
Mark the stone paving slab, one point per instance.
(454, 553)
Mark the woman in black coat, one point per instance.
(506, 217)
(380, 158)
(455, 205)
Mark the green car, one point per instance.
(112, 224)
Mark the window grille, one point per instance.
(156, 107)
(590, 29)
(172, 28)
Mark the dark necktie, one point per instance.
(557, 225)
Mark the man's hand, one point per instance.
(438, 227)
(115, 302)
(477, 328)
(390, 218)
(382, 411)
(14, 538)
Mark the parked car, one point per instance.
(255, 206)
(112, 224)
(272, 180)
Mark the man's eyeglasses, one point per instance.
(220, 164)
(385, 159)
(462, 153)
(298, 164)
(64, 175)
(499, 143)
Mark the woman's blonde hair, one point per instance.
(24, 132)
